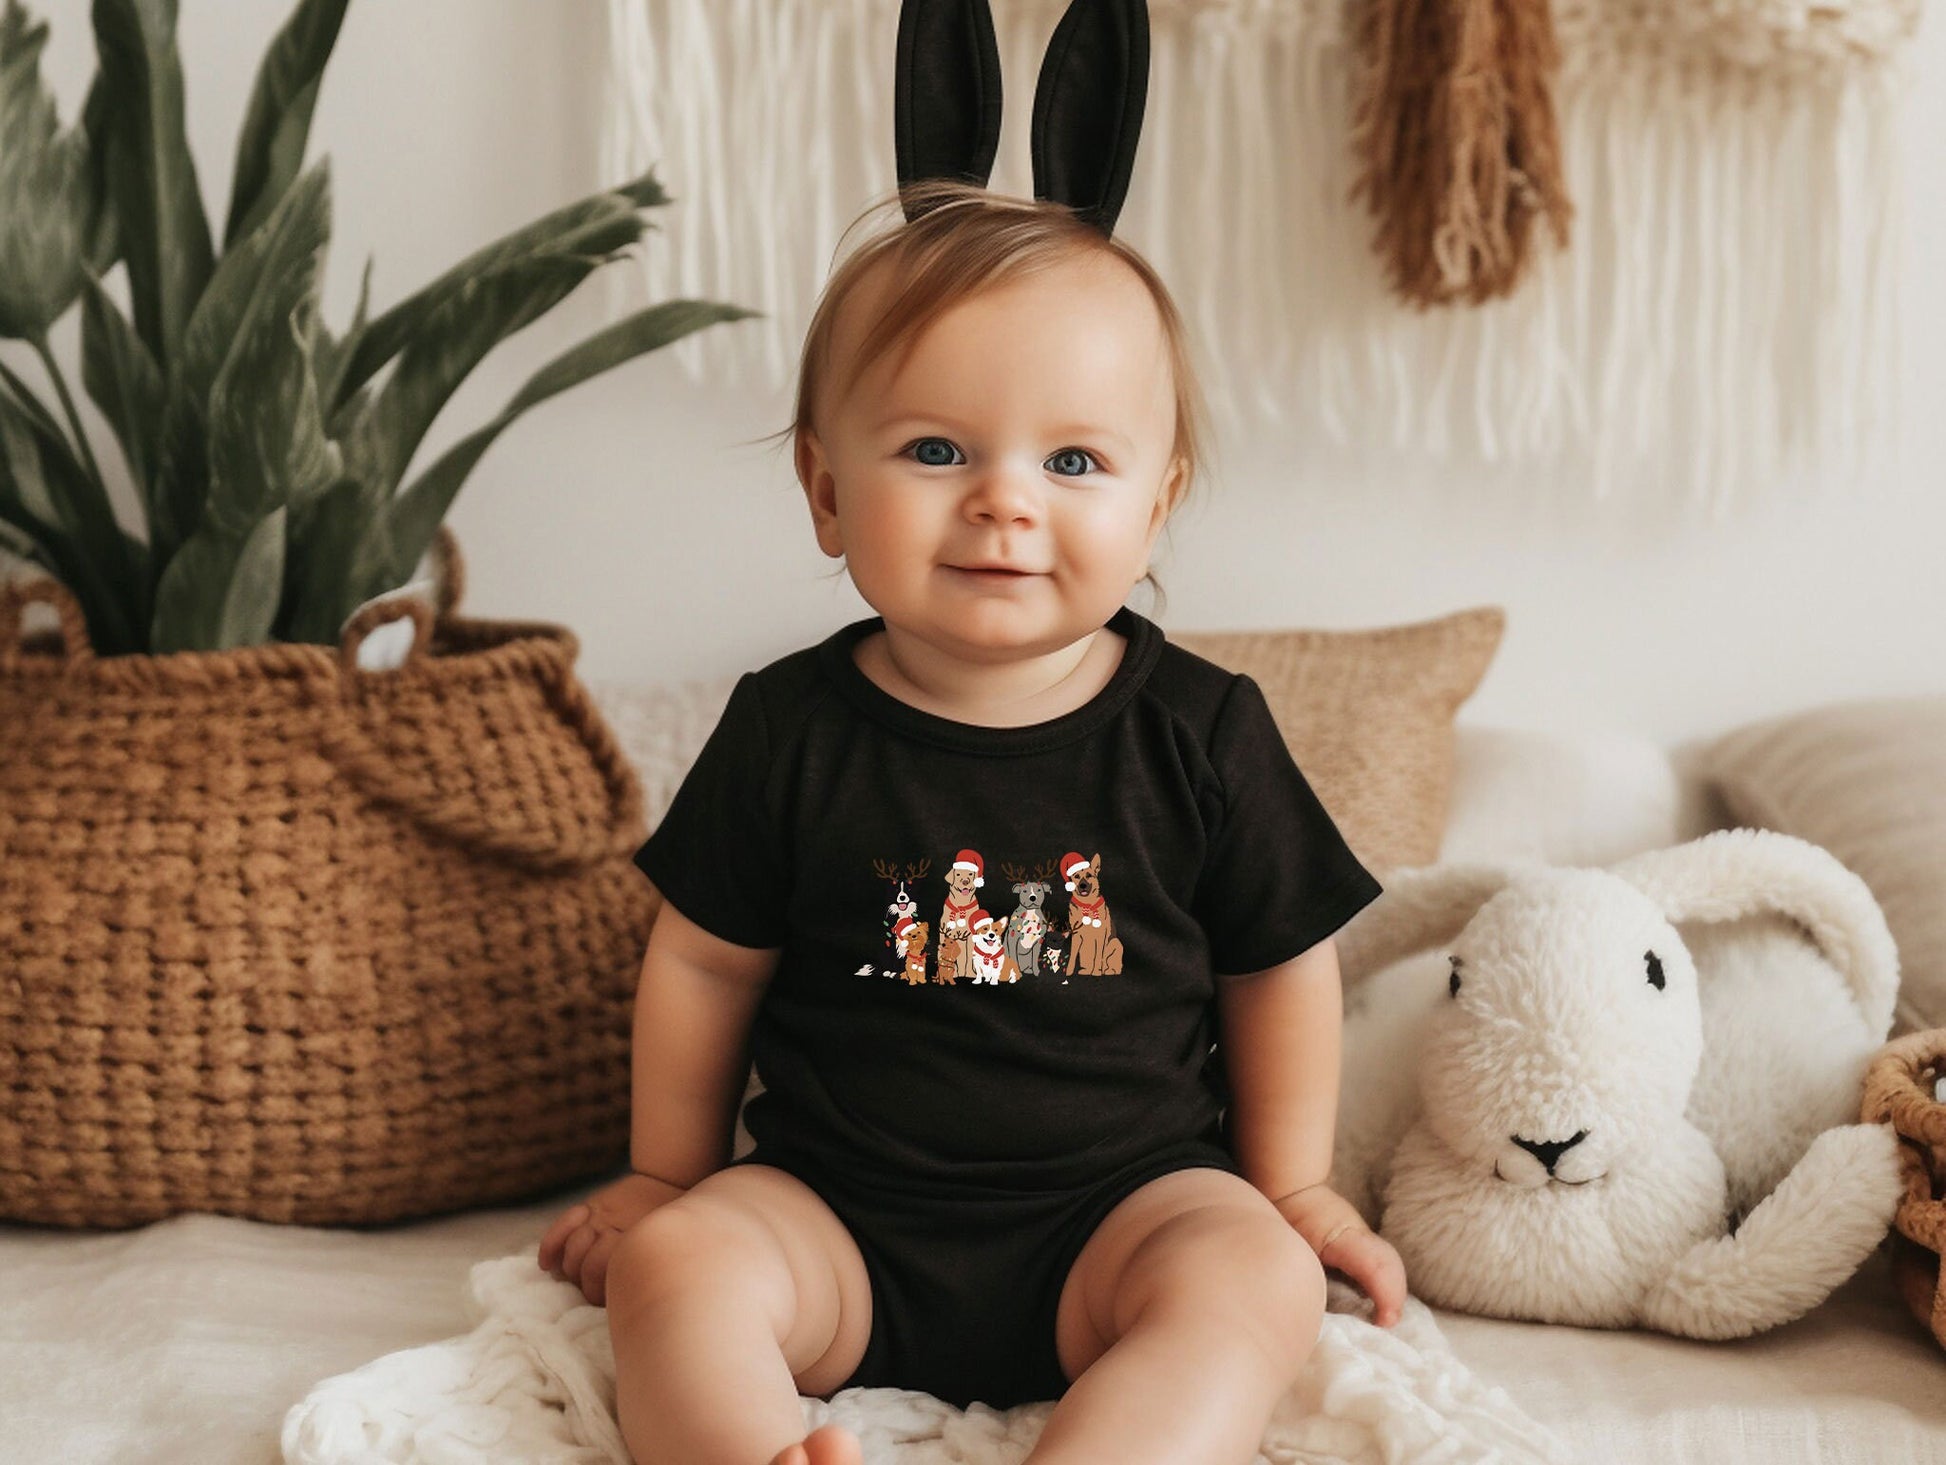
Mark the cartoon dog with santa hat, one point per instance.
(911, 936)
(968, 874)
(992, 964)
(1094, 949)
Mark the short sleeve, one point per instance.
(716, 855)
(1277, 877)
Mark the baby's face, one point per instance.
(1029, 427)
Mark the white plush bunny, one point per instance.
(1578, 1116)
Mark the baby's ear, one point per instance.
(1175, 482)
(946, 94)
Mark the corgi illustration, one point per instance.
(991, 963)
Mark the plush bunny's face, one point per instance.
(1570, 1037)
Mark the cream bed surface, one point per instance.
(185, 1342)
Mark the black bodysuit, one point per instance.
(993, 1016)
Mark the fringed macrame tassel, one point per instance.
(1454, 130)
(1724, 319)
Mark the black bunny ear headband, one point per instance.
(1088, 101)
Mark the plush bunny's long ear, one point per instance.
(1420, 909)
(946, 95)
(1088, 104)
(1743, 872)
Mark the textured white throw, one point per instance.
(535, 1382)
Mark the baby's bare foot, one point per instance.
(828, 1444)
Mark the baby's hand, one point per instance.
(1342, 1240)
(577, 1247)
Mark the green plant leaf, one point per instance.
(104, 232)
(297, 230)
(26, 400)
(123, 380)
(270, 148)
(267, 451)
(255, 288)
(221, 589)
(19, 543)
(47, 493)
(600, 225)
(450, 342)
(69, 494)
(333, 354)
(323, 544)
(152, 177)
(45, 197)
(414, 516)
(265, 432)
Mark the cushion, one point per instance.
(1565, 798)
(1866, 780)
(1368, 715)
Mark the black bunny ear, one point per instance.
(1088, 106)
(946, 97)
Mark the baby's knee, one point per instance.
(685, 1246)
(1255, 1277)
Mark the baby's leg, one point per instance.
(1182, 1322)
(724, 1306)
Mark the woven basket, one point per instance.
(287, 939)
(1899, 1091)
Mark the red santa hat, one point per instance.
(968, 859)
(906, 923)
(1070, 862)
(980, 918)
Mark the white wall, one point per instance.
(634, 511)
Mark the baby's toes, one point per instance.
(833, 1444)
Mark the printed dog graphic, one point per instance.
(991, 963)
(1093, 948)
(912, 944)
(966, 875)
(1028, 924)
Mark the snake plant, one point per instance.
(268, 455)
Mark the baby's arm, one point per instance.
(694, 1005)
(693, 1010)
(1280, 1033)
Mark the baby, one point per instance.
(1050, 1186)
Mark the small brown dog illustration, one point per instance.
(912, 945)
(1094, 949)
(952, 940)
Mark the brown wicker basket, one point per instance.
(1899, 1090)
(287, 939)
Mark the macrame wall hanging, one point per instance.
(1360, 205)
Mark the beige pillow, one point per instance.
(1368, 715)
(1867, 781)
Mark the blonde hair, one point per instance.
(967, 239)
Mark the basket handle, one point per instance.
(449, 569)
(17, 595)
(449, 583)
(376, 614)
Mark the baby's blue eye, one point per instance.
(927, 451)
(1071, 462)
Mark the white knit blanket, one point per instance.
(535, 1382)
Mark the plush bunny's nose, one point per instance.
(1548, 1151)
